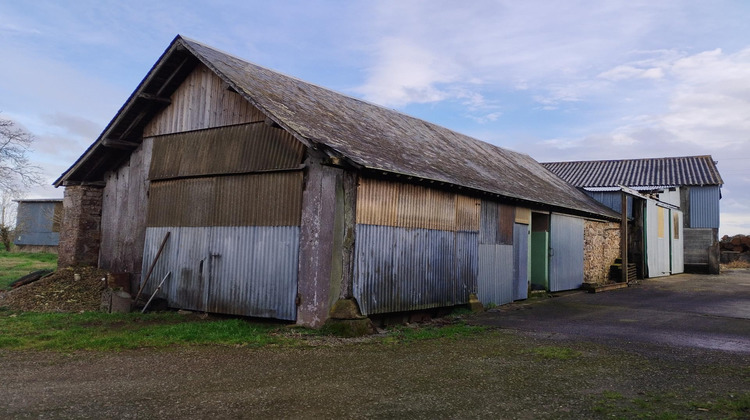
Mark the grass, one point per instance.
(106, 332)
(17, 264)
(113, 332)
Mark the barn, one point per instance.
(686, 187)
(272, 197)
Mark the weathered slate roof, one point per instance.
(668, 171)
(367, 136)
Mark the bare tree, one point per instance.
(17, 173)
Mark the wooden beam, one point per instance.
(154, 98)
(120, 144)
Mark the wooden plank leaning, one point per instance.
(151, 267)
(155, 292)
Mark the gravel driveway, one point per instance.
(576, 356)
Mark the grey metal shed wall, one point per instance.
(704, 207)
(612, 199)
(244, 270)
(566, 253)
(401, 269)
(520, 261)
(34, 223)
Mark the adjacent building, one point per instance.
(272, 197)
(38, 225)
(691, 184)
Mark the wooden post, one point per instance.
(624, 237)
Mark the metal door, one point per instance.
(520, 261)
(566, 253)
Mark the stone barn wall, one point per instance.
(601, 242)
(80, 234)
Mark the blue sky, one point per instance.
(568, 80)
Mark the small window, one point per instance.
(676, 225)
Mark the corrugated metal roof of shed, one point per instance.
(383, 139)
(687, 170)
(369, 136)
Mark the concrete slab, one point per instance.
(685, 311)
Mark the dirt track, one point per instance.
(499, 373)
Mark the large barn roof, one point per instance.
(367, 136)
(668, 171)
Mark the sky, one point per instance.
(560, 81)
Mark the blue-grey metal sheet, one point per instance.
(495, 277)
(612, 199)
(400, 269)
(520, 261)
(34, 222)
(704, 207)
(488, 223)
(247, 270)
(566, 253)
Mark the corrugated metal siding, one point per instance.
(613, 200)
(225, 150)
(269, 199)
(399, 269)
(678, 237)
(249, 271)
(34, 223)
(671, 197)
(566, 253)
(521, 261)
(704, 207)
(386, 203)
(495, 277)
(657, 247)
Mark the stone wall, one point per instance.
(80, 233)
(601, 242)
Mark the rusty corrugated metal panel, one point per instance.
(397, 204)
(523, 215)
(233, 149)
(377, 202)
(467, 213)
(250, 271)
(673, 171)
(399, 269)
(268, 199)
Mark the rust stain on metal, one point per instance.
(271, 199)
(387, 203)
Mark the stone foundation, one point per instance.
(80, 234)
(601, 242)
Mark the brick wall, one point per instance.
(80, 233)
(601, 242)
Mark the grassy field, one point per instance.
(17, 264)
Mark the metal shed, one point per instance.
(282, 197)
(38, 224)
